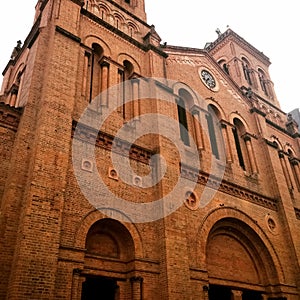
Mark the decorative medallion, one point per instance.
(87, 165)
(137, 181)
(272, 226)
(191, 200)
(113, 174)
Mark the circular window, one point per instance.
(208, 79)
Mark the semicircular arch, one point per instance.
(92, 39)
(182, 86)
(94, 216)
(236, 115)
(257, 239)
(136, 66)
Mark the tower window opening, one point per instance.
(247, 71)
(262, 80)
(224, 66)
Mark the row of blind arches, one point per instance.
(113, 17)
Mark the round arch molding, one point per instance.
(95, 216)
(228, 242)
(92, 39)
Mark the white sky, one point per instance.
(269, 25)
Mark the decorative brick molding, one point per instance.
(228, 187)
(9, 116)
(105, 141)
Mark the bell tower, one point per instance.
(132, 8)
(246, 66)
(135, 7)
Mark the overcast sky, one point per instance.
(270, 26)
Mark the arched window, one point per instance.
(224, 65)
(94, 68)
(212, 118)
(238, 130)
(186, 121)
(294, 163)
(262, 81)
(247, 70)
(182, 118)
(126, 74)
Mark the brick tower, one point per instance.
(216, 148)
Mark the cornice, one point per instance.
(105, 141)
(128, 13)
(126, 37)
(68, 34)
(229, 188)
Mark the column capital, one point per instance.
(237, 293)
(104, 64)
(246, 137)
(294, 161)
(77, 272)
(136, 279)
(135, 79)
(281, 154)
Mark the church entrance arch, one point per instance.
(108, 259)
(238, 263)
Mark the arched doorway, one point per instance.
(109, 258)
(238, 263)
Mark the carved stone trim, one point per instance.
(228, 188)
(105, 141)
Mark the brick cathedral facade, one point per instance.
(216, 110)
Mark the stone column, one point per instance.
(248, 143)
(13, 98)
(137, 287)
(295, 165)
(285, 171)
(135, 97)
(77, 284)
(198, 129)
(120, 91)
(104, 83)
(236, 295)
(226, 143)
(85, 73)
(205, 292)
(264, 297)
